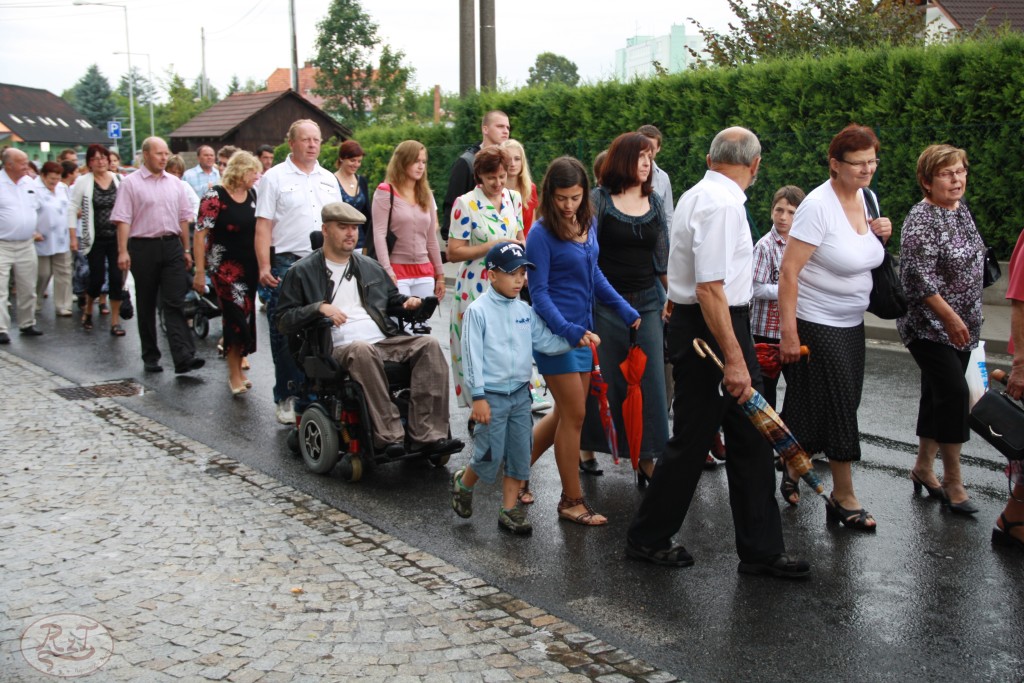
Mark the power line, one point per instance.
(240, 19)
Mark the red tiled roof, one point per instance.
(36, 115)
(967, 13)
(281, 79)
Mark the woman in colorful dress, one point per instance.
(488, 214)
(225, 242)
(942, 256)
(404, 206)
(354, 188)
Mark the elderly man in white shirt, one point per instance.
(710, 285)
(19, 206)
(290, 198)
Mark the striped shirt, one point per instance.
(764, 313)
(153, 205)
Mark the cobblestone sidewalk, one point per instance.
(182, 564)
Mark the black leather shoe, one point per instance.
(674, 556)
(31, 331)
(591, 467)
(780, 566)
(154, 367)
(5, 338)
(189, 365)
(392, 450)
(438, 446)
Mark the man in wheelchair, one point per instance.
(357, 296)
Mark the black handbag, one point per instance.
(127, 309)
(389, 237)
(887, 300)
(991, 271)
(998, 419)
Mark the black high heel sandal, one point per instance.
(1003, 537)
(933, 491)
(789, 487)
(851, 519)
(591, 467)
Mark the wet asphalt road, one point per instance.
(926, 598)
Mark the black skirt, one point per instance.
(823, 391)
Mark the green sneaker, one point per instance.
(514, 521)
(462, 500)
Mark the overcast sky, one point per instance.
(50, 43)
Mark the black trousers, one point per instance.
(102, 264)
(945, 398)
(699, 408)
(158, 266)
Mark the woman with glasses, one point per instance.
(942, 256)
(835, 241)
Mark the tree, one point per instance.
(234, 86)
(92, 96)
(212, 95)
(550, 69)
(351, 80)
(779, 28)
(182, 104)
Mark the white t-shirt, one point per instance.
(835, 284)
(711, 241)
(358, 326)
(292, 200)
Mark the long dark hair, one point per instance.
(562, 173)
(619, 170)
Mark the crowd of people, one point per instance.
(550, 283)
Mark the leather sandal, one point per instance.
(591, 467)
(1004, 536)
(116, 331)
(585, 518)
(87, 321)
(851, 519)
(525, 495)
(789, 487)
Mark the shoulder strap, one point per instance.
(871, 203)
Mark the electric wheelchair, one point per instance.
(336, 426)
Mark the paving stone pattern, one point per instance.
(204, 569)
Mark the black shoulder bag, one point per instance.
(887, 300)
(389, 237)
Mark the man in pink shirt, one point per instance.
(152, 214)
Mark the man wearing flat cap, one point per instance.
(358, 296)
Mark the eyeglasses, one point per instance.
(870, 163)
(949, 175)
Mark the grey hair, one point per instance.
(736, 146)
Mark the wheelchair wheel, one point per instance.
(439, 460)
(352, 468)
(201, 324)
(318, 440)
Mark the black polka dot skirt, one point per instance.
(823, 391)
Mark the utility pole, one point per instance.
(467, 48)
(202, 76)
(488, 51)
(295, 49)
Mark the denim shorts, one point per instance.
(508, 438)
(580, 359)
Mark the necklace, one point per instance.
(353, 183)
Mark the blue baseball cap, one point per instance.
(507, 257)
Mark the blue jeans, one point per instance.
(287, 376)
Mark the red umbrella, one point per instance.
(633, 406)
(599, 390)
(770, 360)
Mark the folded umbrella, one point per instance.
(633, 406)
(770, 360)
(771, 426)
(599, 390)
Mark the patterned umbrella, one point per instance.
(633, 406)
(771, 426)
(599, 390)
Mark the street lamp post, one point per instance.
(128, 48)
(149, 70)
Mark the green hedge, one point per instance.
(968, 94)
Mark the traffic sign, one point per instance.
(114, 130)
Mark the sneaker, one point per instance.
(462, 500)
(540, 404)
(286, 411)
(514, 521)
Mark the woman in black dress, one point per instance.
(224, 242)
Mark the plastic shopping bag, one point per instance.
(977, 374)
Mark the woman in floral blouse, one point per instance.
(941, 270)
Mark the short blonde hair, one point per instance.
(239, 164)
(933, 159)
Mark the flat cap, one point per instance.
(340, 212)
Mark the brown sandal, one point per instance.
(525, 496)
(87, 321)
(583, 518)
(117, 330)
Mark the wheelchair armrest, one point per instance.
(423, 313)
(314, 351)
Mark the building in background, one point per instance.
(642, 53)
(41, 124)
(281, 79)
